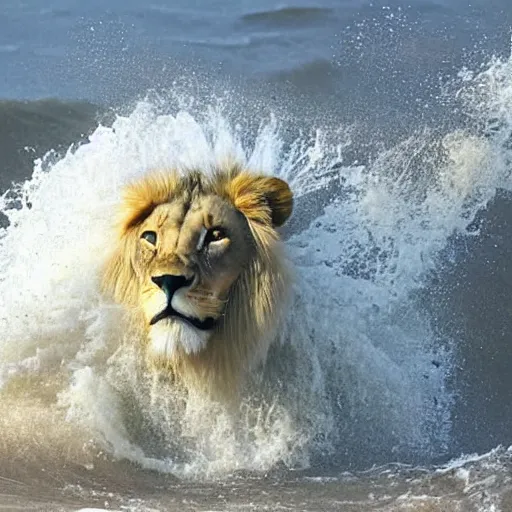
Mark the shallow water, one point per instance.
(391, 123)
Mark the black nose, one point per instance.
(170, 283)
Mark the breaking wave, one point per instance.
(360, 374)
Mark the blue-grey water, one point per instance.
(392, 122)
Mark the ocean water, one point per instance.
(389, 386)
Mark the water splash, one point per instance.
(359, 374)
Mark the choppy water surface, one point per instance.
(394, 357)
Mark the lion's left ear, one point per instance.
(263, 199)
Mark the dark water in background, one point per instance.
(387, 70)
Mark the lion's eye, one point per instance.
(149, 236)
(214, 235)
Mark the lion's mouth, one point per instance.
(169, 312)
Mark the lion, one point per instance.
(200, 267)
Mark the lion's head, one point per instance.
(199, 263)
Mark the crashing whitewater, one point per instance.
(358, 375)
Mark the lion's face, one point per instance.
(188, 256)
(188, 245)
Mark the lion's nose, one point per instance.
(170, 283)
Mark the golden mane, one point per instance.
(258, 297)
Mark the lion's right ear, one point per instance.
(141, 197)
(119, 279)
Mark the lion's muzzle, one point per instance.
(170, 284)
